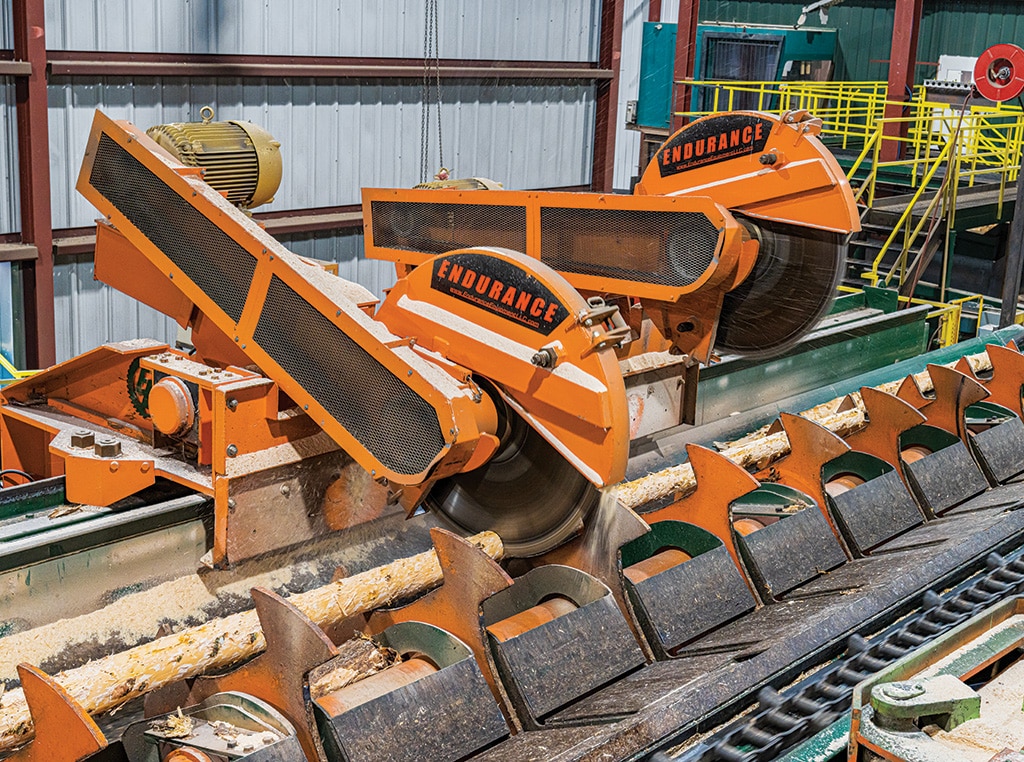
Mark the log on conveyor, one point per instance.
(106, 683)
(761, 448)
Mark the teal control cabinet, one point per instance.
(739, 52)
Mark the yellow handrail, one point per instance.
(981, 142)
(13, 372)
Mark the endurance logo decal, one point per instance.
(499, 287)
(713, 140)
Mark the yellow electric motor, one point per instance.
(240, 159)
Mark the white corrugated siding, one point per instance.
(337, 136)
(627, 142)
(490, 29)
(6, 25)
(10, 220)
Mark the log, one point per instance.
(104, 684)
(760, 449)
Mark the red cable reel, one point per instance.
(999, 72)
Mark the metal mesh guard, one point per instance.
(395, 424)
(665, 248)
(215, 262)
(436, 228)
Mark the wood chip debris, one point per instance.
(235, 737)
(173, 725)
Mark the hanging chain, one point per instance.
(431, 59)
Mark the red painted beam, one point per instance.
(34, 181)
(606, 119)
(654, 10)
(902, 58)
(686, 58)
(91, 64)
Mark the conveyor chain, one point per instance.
(783, 721)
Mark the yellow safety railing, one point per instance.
(11, 371)
(938, 143)
(949, 314)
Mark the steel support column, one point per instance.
(686, 58)
(1014, 259)
(34, 181)
(606, 118)
(902, 59)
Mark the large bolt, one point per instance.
(107, 447)
(544, 358)
(902, 691)
(232, 450)
(768, 158)
(82, 438)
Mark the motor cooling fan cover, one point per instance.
(792, 286)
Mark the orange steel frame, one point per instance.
(243, 416)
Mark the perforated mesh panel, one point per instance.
(395, 424)
(215, 262)
(666, 248)
(436, 228)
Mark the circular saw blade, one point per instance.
(792, 286)
(527, 493)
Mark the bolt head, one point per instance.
(232, 450)
(107, 447)
(902, 691)
(82, 438)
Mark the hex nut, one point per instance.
(82, 438)
(107, 447)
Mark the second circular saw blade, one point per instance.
(531, 496)
(792, 286)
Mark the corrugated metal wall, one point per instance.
(566, 30)
(337, 136)
(9, 221)
(953, 27)
(865, 29)
(9, 205)
(627, 142)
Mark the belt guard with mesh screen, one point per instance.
(725, 193)
(479, 353)
(398, 414)
(680, 255)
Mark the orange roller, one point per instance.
(914, 453)
(187, 754)
(843, 483)
(524, 621)
(747, 526)
(374, 686)
(170, 406)
(656, 564)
